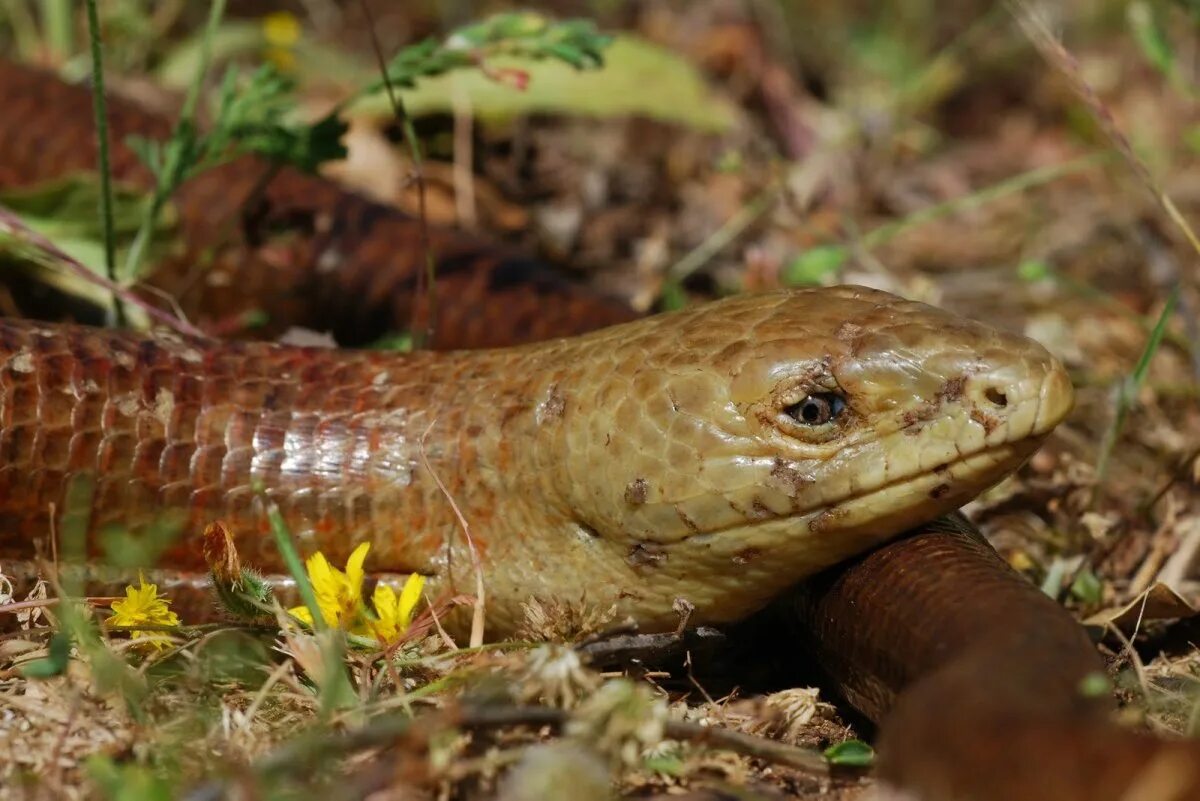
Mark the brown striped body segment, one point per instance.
(296, 247)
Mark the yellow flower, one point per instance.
(142, 606)
(281, 28)
(281, 31)
(339, 595)
(394, 612)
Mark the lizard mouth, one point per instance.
(917, 498)
(905, 501)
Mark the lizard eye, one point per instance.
(816, 409)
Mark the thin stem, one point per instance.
(57, 15)
(100, 108)
(291, 559)
(426, 281)
(1009, 186)
(723, 236)
(1127, 390)
(170, 177)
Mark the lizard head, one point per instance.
(732, 449)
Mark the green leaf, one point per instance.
(1053, 581)
(1033, 270)
(636, 78)
(52, 665)
(668, 765)
(401, 342)
(673, 296)
(1087, 588)
(816, 266)
(1129, 388)
(252, 116)
(129, 782)
(65, 208)
(850, 753)
(127, 549)
(1148, 32)
(1095, 685)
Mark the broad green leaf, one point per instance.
(638, 79)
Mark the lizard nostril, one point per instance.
(996, 396)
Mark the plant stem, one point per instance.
(100, 107)
(174, 168)
(57, 15)
(1127, 390)
(1009, 186)
(421, 334)
(291, 558)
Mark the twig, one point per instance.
(59, 768)
(1057, 55)
(20, 606)
(1009, 186)
(463, 176)
(477, 619)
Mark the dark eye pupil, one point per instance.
(816, 409)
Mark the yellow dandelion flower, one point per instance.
(281, 31)
(142, 606)
(339, 595)
(281, 28)
(394, 613)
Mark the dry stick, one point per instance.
(273, 678)
(723, 236)
(464, 157)
(447, 640)
(19, 606)
(477, 617)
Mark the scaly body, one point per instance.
(667, 458)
